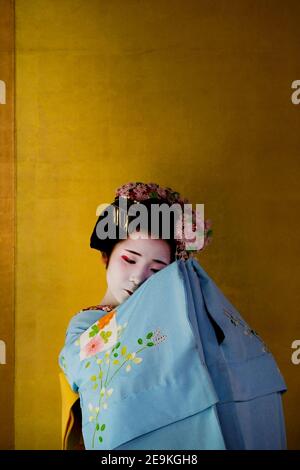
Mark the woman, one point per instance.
(156, 364)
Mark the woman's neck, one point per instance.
(109, 299)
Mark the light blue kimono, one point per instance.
(244, 373)
(141, 380)
(173, 367)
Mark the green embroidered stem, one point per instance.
(108, 380)
(117, 371)
(123, 365)
(105, 383)
(96, 419)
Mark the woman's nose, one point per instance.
(141, 276)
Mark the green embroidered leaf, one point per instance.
(109, 333)
(97, 427)
(102, 427)
(87, 365)
(149, 335)
(116, 355)
(92, 333)
(100, 374)
(95, 328)
(123, 350)
(150, 344)
(100, 439)
(95, 386)
(140, 341)
(104, 336)
(93, 378)
(118, 345)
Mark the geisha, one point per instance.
(165, 361)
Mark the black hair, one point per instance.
(107, 245)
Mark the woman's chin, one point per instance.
(124, 296)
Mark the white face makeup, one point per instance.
(134, 260)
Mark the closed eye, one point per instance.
(131, 261)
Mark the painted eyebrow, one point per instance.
(155, 260)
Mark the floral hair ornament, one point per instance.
(186, 246)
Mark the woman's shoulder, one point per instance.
(83, 319)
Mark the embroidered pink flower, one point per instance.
(93, 346)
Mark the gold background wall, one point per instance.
(7, 225)
(191, 94)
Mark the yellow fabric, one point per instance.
(68, 416)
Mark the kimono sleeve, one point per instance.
(69, 359)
